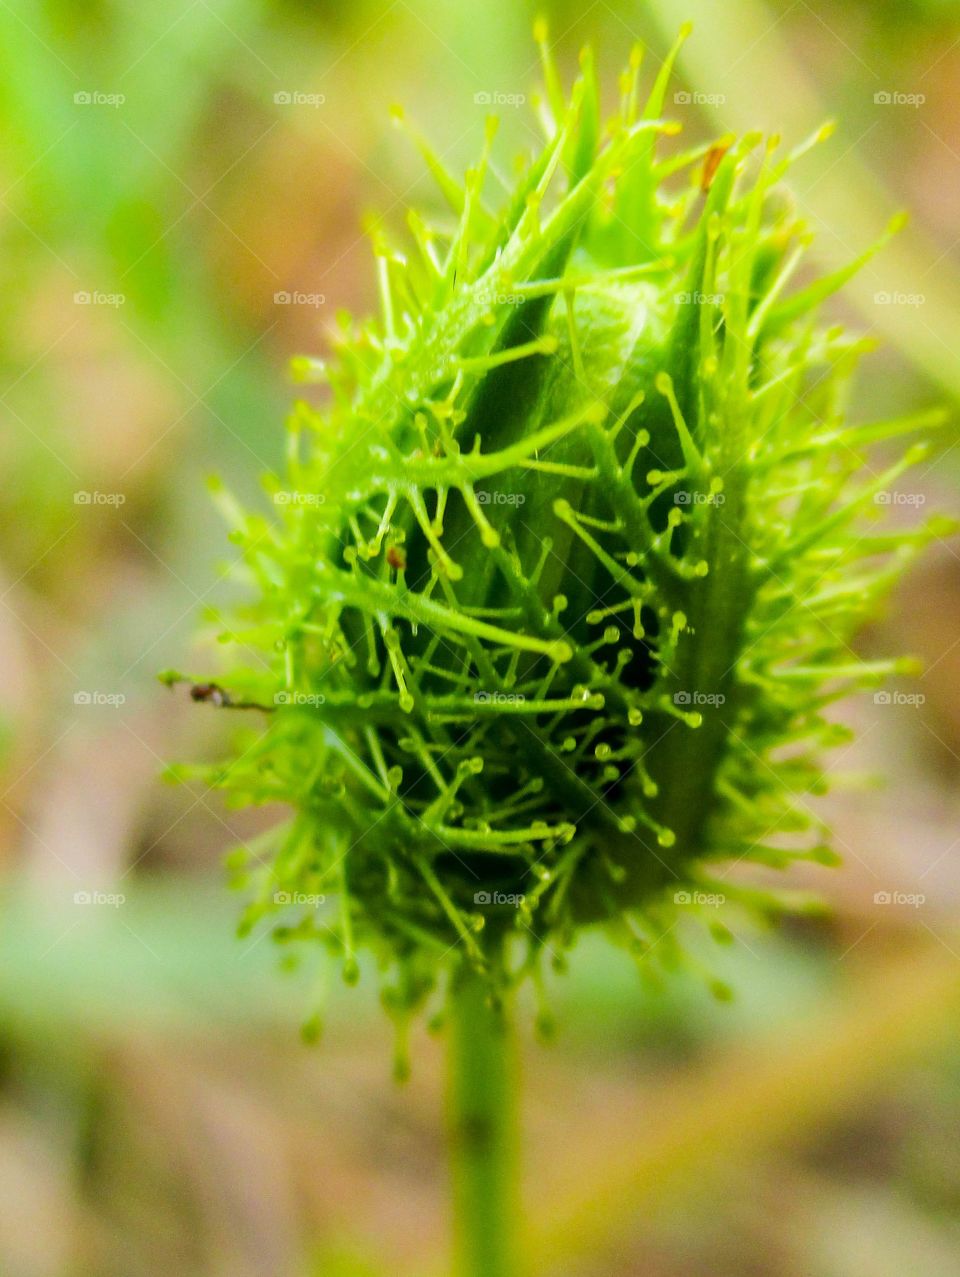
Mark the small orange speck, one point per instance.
(711, 163)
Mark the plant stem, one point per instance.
(482, 1133)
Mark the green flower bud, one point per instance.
(562, 578)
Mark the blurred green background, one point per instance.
(183, 189)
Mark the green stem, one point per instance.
(482, 1133)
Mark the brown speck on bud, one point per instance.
(711, 163)
(209, 694)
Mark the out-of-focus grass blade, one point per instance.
(770, 1086)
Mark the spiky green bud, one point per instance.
(559, 583)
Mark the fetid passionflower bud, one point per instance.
(560, 582)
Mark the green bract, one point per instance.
(560, 582)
